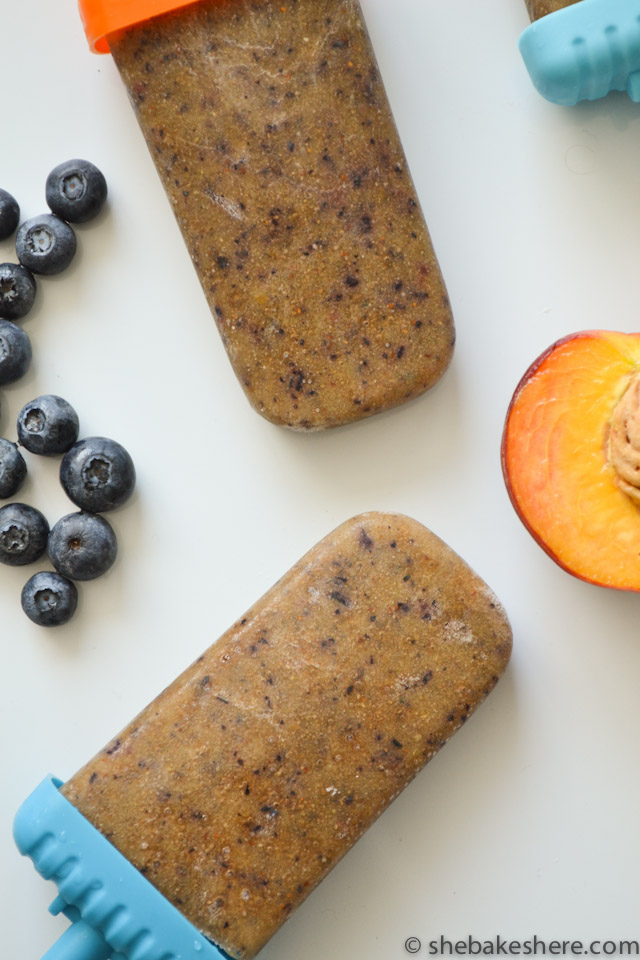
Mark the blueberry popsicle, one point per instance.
(272, 133)
(246, 780)
(540, 8)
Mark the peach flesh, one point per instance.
(555, 457)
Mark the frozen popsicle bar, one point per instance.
(540, 8)
(245, 781)
(271, 130)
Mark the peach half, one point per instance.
(571, 455)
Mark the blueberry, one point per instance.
(45, 244)
(17, 291)
(49, 599)
(97, 474)
(82, 546)
(23, 534)
(13, 469)
(47, 425)
(76, 190)
(15, 352)
(9, 214)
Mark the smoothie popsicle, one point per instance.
(540, 8)
(241, 786)
(271, 130)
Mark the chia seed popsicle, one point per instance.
(272, 133)
(241, 786)
(540, 8)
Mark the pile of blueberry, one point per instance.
(75, 192)
(96, 473)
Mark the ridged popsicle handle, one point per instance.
(79, 942)
(585, 51)
(114, 911)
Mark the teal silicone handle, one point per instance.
(114, 910)
(80, 942)
(585, 51)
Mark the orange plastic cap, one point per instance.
(102, 17)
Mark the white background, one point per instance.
(528, 821)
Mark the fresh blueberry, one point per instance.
(47, 425)
(17, 291)
(45, 244)
(76, 190)
(15, 352)
(49, 599)
(82, 546)
(9, 214)
(23, 534)
(97, 474)
(13, 469)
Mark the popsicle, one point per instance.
(540, 8)
(272, 133)
(238, 789)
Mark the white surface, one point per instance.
(528, 821)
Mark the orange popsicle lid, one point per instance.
(102, 17)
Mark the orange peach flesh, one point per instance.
(554, 457)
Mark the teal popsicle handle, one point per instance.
(79, 942)
(584, 51)
(114, 911)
